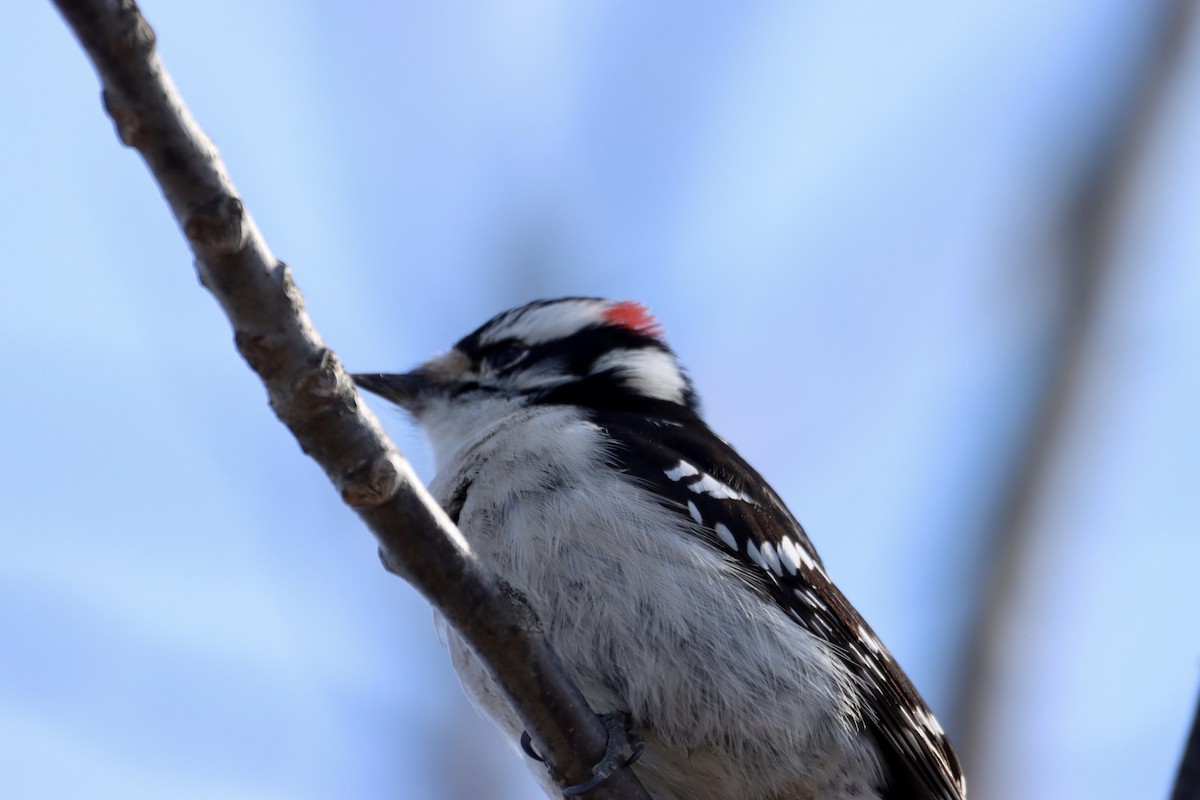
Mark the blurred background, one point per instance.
(933, 267)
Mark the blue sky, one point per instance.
(847, 219)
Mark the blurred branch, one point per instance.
(1093, 219)
(311, 394)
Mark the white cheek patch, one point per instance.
(647, 371)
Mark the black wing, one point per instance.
(701, 475)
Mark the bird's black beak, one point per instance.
(412, 391)
(407, 390)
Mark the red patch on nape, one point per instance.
(634, 316)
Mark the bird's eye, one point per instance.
(507, 355)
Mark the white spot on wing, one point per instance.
(804, 557)
(771, 559)
(711, 486)
(695, 512)
(752, 551)
(930, 721)
(788, 555)
(681, 470)
(809, 597)
(870, 640)
(726, 536)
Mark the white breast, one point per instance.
(735, 699)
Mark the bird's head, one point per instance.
(580, 351)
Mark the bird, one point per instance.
(676, 586)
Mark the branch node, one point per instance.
(290, 290)
(380, 485)
(216, 226)
(260, 351)
(321, 380)
(201, 273)
(137, 38)
(393, 565)
(127, 121)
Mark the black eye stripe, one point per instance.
(462, 389)
(507, 354)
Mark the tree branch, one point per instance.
(311, 394)
(1093, 218)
